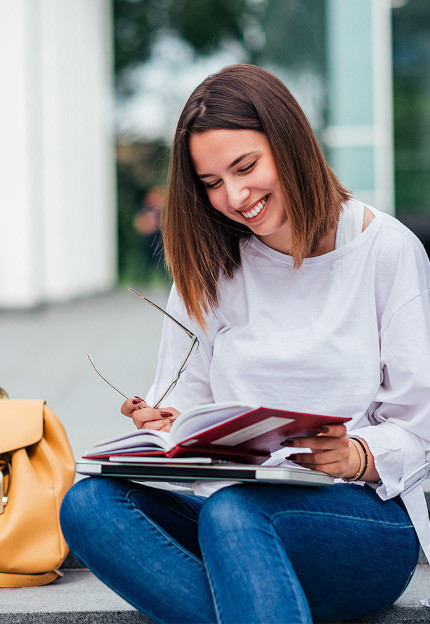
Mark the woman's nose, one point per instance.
(237, 195)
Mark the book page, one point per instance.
(203, 417)
(132, 441)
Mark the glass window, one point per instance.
(411, 87)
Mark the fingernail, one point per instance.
(140, 398)
(288, 443)
(166, 414)
(136, 401)
(323, 429)
(172, 420)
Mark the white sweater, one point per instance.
(347, 334)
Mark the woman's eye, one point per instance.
(248, 168)
(212, 185)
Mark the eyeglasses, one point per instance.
(193, 347)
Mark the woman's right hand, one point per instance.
(160, 418)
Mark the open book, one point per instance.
(229, 431)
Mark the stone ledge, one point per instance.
(82, 617)
(80, 598)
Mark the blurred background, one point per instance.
(91, 91)
(90, 94)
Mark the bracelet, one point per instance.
(364, 459)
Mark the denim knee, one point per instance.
(72, 504)
(82, 503)
(226, 510)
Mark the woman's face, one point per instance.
(241, 180)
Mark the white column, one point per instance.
(383, 103)
(359, 135)
(57, 196)
(21, 221)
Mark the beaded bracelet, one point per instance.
(364, 459)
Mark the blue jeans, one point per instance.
(250, 553)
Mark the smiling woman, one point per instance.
(301, 298)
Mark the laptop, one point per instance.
(199, 469)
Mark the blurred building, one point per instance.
(57, 191)
(350, 63)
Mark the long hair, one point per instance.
(201, 243)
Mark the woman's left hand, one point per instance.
(332, 452)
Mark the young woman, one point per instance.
(302, 298)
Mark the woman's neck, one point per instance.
(280, 241)
(326, 244)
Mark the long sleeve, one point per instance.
(400, 441)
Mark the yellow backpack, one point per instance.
(36, 470)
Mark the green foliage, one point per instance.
(207, 22)
(204, 24)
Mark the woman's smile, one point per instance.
(257, 210)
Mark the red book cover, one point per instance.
(253, 435)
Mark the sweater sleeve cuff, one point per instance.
(397, 453)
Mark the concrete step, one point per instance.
(77, 597)
(80, 598)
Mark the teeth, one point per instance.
(256, 210)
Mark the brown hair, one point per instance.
(200, 242)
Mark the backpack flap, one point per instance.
(21, 423)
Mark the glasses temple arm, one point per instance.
(104, 378)
(190, 333)
(195, 343)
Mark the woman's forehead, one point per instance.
(224, 146)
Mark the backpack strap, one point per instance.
(28, 580)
